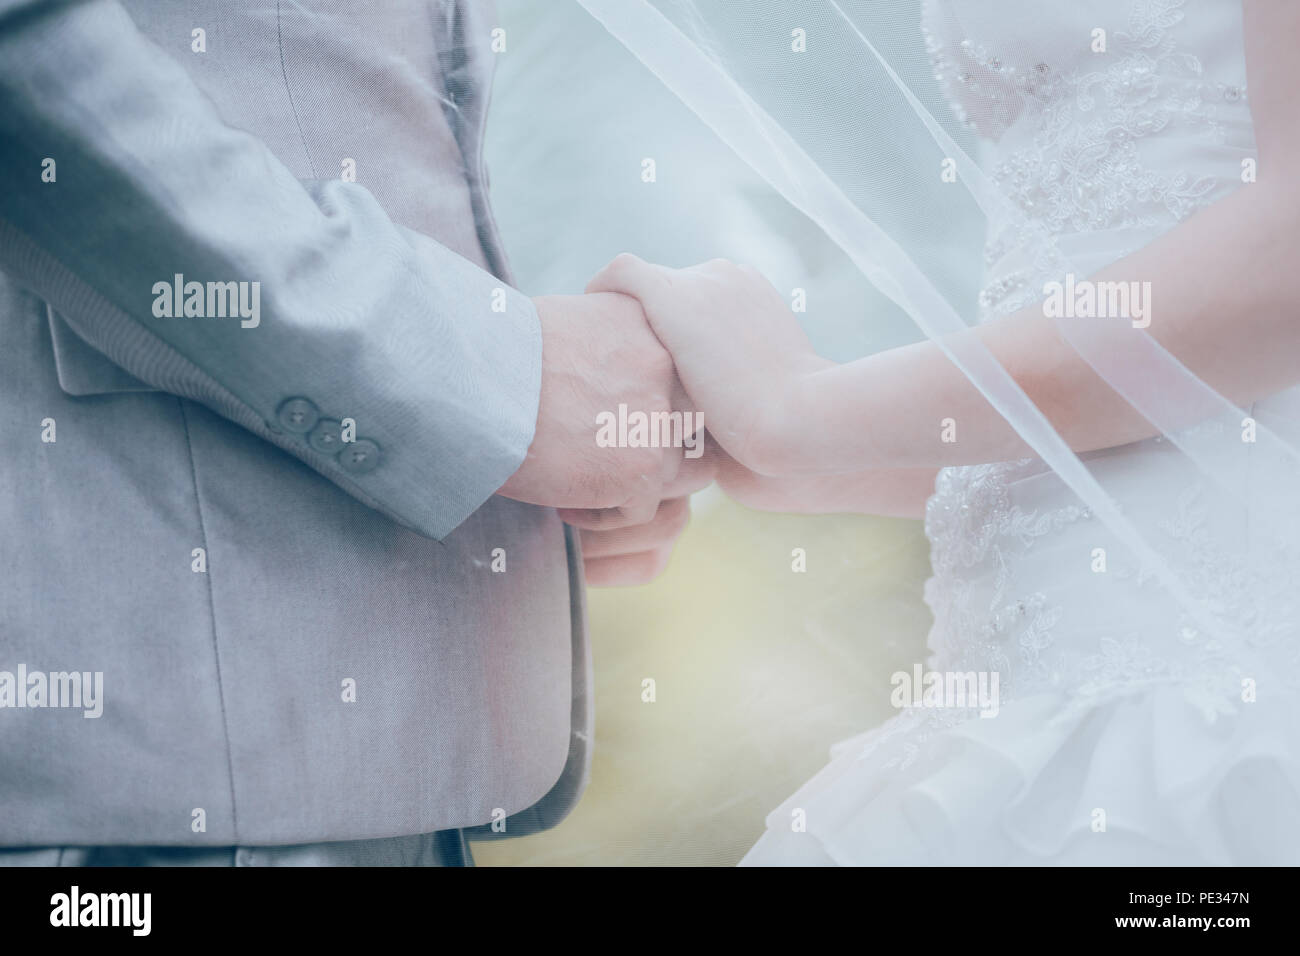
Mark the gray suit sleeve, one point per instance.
(435, 361)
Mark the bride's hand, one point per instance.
(738, 349)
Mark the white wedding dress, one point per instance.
(1125, 735)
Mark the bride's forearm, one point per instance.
(1225, 303)
(893, 493)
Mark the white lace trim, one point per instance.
(1081, 171)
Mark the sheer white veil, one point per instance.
(838, 108)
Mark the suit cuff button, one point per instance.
(326, 437)
(359, 457)
(297, 415)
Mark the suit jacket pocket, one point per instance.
(82, 369)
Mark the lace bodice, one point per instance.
(1107, 123)
(1119, 117)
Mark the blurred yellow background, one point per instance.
(758, 669)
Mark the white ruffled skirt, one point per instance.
(1143, 778)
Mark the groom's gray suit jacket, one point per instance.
(196, 530)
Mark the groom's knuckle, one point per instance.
(638, 470)
(600, 487)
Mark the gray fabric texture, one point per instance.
(223, 689)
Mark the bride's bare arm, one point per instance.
(892, 492)
(1226, 304)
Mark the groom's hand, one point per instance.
(634, 554)
(598, 352)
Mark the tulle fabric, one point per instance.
(1168, 759)
(1142, 779)
(850, 131)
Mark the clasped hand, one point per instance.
(716, 338)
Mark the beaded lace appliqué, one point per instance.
(1080, 170)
